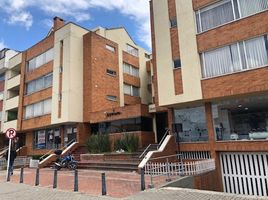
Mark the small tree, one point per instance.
(98, 143)
(129, 143)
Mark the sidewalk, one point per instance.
(118, 184)
(11, 191)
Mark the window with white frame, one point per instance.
(131, 90)
(236, 57)
(39, 84)
(40, 60)
(38, 109)
(132, 50)
(225, 11)
(110, 48)
(130, 69)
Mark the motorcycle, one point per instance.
(65, 162)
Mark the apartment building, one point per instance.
(76, 82)
(5, 74)
(210, 72)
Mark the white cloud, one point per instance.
(79, 10)
(2, 44)
(22, 18)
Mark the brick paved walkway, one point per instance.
(11, 191)
(119, 184)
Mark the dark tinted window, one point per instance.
(177, 63)
(173, 22)
(126, 125)
(2, 77)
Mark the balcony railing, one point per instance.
(13, 82)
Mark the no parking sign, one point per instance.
(11, 133)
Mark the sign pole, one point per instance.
(11, 134)
(8, 159)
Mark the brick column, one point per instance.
(170, 118)
(83, 132)
(212, 144)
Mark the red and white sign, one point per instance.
(11, 133)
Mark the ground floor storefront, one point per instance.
(234, 132)
(49, 138)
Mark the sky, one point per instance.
(25, 22)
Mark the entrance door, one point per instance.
(161, 124)
(245, 173)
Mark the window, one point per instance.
(127, 89)
(226, 11)
(130, 69)
(0, 115)
(38, 109)
(111, 72)
(123, 125)
(39, 84)
(40, 60)
(236, 57)
(111, 98)
(173, 22)
(47, 106)
(110, 48)
(46, 138)
(132, 50)
(48, 80)
(252, 6)
(147, 55)
(177, 63)
(135, 91)
(2, 77)
(131, 90)
(192, 124)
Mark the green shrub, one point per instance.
(118, 145)
(98, 143)
(129, 143)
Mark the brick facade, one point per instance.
(201, 3)
(242, 29)
(97, 84)
(132, 80)
(130, 59)
(242, 83)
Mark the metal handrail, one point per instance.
(3, 150)
(52, 150)
(163, 138)
(161, 157)
(148, 147)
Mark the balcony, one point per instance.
(12, 103)
(10, 124)
(13, 82)
(2, 65)
(16, 60)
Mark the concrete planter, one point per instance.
(34, 163)
(107, 156)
